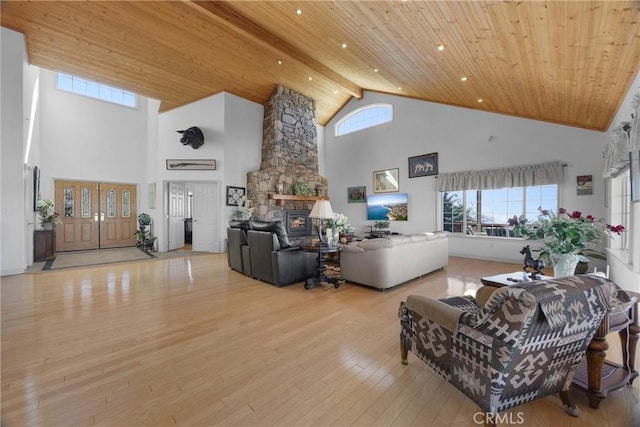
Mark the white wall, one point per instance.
(242, 144)
(13, 218)
(464, 139)
(232, 129)
(88, 139)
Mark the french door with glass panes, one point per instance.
(95, 215)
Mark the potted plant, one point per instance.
(49, 218)
(301, 189)
(564, 236)
(382, 225)
(145, 239)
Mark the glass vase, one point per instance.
(332, 236)
(565, 265)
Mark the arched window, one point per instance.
(365, 117)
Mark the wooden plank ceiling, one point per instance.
(562, 62)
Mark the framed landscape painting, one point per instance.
(423, 165)
(386, 181)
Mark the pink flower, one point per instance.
(576, 215)
(618, 229)
(545, 212)
(591, 218)
(562, 211)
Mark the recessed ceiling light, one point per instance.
(463, 78)
(375, 70)
(441, 47)
(279, 62)
(480, 99)
(399, 87)
(299, 11)
(310, 78)
(335, 92)
(344, 45)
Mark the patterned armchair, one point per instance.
(523, 344)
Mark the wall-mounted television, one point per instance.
(392, 207)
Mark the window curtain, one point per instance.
(518, 176)
(625, 138)
(616, 153)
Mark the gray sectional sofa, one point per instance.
(389, 261)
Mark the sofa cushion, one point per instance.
(274, 227)
(240, 223)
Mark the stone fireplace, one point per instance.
(289, 154)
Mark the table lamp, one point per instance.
(322, 211)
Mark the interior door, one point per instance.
(176, 215)
(79, 209)
(118, 215)
(205, 236)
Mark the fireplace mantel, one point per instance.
(280, 198)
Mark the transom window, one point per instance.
(488, 211)
(96, 90)
(365, 117)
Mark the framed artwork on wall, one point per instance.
(386, 181)
(357, 194)
(234, 194)
(36, 186)
(191, 164)
(585, 185)
(423, 165)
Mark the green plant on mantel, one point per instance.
(301, 189)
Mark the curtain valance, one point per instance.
(517, 176)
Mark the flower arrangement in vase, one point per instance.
(244, 210)
(49, 218)
(564, 235)
(339, 227)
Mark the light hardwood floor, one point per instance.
(187, 341)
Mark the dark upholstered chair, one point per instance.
(237, 250)
(523, 344)
(272, 263)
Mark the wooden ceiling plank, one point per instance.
(224, 13)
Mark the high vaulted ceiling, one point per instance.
(562, 62)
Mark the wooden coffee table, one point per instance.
(508, 279)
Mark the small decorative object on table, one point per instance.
(536, 264)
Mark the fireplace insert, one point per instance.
(297, 223)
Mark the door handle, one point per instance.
(102, 216)
(95, 216)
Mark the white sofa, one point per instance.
(387, 262)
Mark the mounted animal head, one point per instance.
(192, 136)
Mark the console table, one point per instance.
(44, 245)
(321, 268)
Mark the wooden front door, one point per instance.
(95, 215)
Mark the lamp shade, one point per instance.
(321, 210)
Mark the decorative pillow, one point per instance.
(274, 227)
